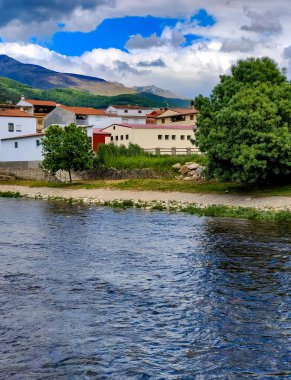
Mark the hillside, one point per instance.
(11, 91)
(42, 78)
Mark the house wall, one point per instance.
(59, 116)
(149, 138)
(129, 111)
(27, 149)
(167, 120)
(22, 126)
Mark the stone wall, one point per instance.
(35, 174)
(112, 173)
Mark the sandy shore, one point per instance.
(102, 195)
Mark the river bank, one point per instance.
(233, 205)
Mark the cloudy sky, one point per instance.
(179, 45)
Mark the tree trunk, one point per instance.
(70, 175)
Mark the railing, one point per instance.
(173, 151)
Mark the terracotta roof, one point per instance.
(154, 126)
(24, 136)
(131, 107)
(181, 111)
(84, 110)
(15, 113)
(36, 102)
(99, 131)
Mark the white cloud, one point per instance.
(186, 70)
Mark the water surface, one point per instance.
(97, 293)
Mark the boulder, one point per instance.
(183, 169)
(177, 166)
(192, 166)
(191, 173)
(199, 171)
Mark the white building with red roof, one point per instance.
(14, 122)
(130, 114)
(177, 116)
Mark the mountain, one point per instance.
(11, 91)
(157, 91)
(42, 78)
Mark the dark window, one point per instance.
(173, 137)
(121, 137)
(160, 137)
(182, 137)
(191, 117)
(178, 118)
(188, 137)
(116, 138)
(16, 145)
(139, 111)
(163, 121)
(111, 138)
(166, 137)
(125, 111)
(126, 137)
(37, 143)
(113, 126)
(10, 127)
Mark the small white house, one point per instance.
(14, 122)
(130, 114)
(151, 137)
(22, 148)
(81, 116)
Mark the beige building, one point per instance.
(152, 137)
(170, 116)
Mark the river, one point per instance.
(97, 293)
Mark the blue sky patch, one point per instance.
(114, 33)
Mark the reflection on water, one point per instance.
(97, 293)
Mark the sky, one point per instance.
(182, 46)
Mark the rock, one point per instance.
(177, 166)
(192, 166)
(188, 178)
(191, 173)
(199, 170)
(183, 169)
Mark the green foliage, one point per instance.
(66, 149)
(245, 125)
(12, 91)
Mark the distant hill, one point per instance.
(157, 91)
(42, 78)
(11, 91)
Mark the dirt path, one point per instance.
(89, 195)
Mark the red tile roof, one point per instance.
(99, 131)
(36, 102)
(24, 136)
(181, 111)
(131, 107)
(154, 126)
(84, 110)
(15, 113)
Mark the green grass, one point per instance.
(10, 194)
(160, 163)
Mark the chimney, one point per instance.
(22, 97)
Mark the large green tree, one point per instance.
(66, 149)
(245, 124)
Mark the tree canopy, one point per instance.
(66, 149)
(245, 124)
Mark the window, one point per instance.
(182, 137)
(191, 117)
(173, 137)
(114, 127)
(121, 137)
(10, 127)
(37, 143)
(116, 138)
(16, 144)
(125, 111)
(126, 137)
(188, 137)
(111, 138)
(18, 128)
(163, 121)
(166, 137)
(160, 137)
(139, 111)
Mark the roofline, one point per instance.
(23, 136)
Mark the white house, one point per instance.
(14, 122)
(152, 137)
(130, 114)
(22, 148)
(81, 116)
